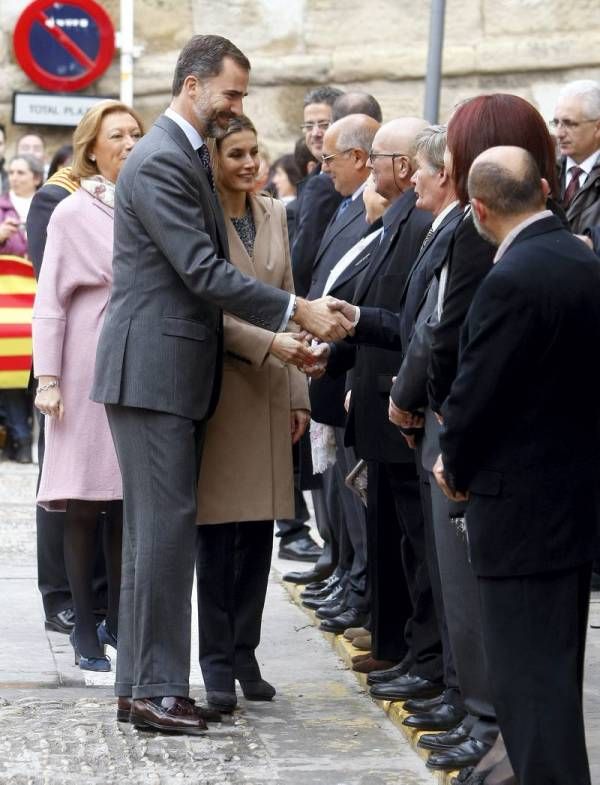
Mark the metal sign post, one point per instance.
(433, 78)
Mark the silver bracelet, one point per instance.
(45, 387)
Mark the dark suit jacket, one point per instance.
(521, 424)
(316, 203)
(382, 285)
(584, 211)
(160, 345)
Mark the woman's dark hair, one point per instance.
(288, 164)
(498, 119)
(59, 159)
(303, 157)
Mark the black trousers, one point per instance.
(534, 630)
(232, 573)
(52, 575)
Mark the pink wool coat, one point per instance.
(73, 290)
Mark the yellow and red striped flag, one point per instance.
(17, 292)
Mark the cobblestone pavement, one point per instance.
(57, 727)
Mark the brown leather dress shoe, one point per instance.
(173, 715)
(362, 643)
(123, 709)
(371, 664)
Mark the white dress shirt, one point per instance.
(586, 165)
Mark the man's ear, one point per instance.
(545, 188)
(479, 209)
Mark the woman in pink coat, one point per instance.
(80, 474)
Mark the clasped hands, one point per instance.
(326, 319)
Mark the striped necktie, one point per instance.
(573, 187)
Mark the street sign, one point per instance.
(64, 46)
(52, 109)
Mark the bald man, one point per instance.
(521, 440)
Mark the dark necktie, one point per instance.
(428, 237)
(573, 186)
(204, 157)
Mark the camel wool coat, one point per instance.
(247, 472)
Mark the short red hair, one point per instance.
(498, 119)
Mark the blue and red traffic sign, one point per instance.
(64, 46)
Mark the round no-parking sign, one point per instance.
(64, 46)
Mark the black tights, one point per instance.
(81, 526)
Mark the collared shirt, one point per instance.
(349, 257)
(586, 165)
(196, 142)
(512, 235)
(440, 217)
(359, 191)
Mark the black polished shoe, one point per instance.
(334, 598)
(301, 549)
(444, 741)
(328, 586)
(352, 617)
(382, 677)
(469, 753)
(404, 687)
(63, 621)
(444, 717)
(418, 705)
(310, 576)
(331, 610)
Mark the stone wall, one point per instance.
(528, 47)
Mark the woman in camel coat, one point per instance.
(246, 478)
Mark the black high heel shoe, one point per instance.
(258, 690)
(101, 664)
(105, 636)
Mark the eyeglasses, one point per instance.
(327, 158)
(373, 156)
(322, 125)
(569, 124)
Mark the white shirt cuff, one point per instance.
(356, 315)
(288, 312)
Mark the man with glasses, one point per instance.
(577, 127)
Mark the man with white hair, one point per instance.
(577, 123)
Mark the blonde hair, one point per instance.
(87, 131)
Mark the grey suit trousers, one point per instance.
(159, 456)
(463, 616)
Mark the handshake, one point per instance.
(327, 319)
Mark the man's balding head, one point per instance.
(398, 137)
(507, 180)
(356, 103)
(346, 147)
(505, 187)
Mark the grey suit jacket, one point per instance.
(160, 346)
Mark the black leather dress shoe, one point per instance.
(444, 741)
(444, 717)
(336, 596)
(310, 576)
(382, 677)
(352, 617)
(469, 753)
(302, 549)
(331, 610)
(63, 621)
(328, 586)
(418, 705)
(406, 686)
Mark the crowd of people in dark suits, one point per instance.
(428, 305)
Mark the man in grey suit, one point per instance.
(158, 369)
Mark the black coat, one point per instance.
(316, 202)
(522, 418)
(382, 285)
